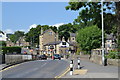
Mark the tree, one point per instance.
(33, 35)
(90, 14)
(14, 37)
(118, 23)
(2, 43)
(89, 38)
(66, 29)
(54, 28)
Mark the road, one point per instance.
(37, 69)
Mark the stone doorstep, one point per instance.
(80, 71)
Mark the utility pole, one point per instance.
(103, 58)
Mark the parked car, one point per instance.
(43, 57)
(56, 56)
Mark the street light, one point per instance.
(55, 43)
(103, 58)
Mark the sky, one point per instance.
(24, 15)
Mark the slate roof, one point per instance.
(53, 43)
(46, 31)
(2, 32)
(57, 42)
(72, 35)
(72, 43)
(110, 36)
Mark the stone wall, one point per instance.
(114, 62)
(9, 59)
(96, 59)
(0, 59)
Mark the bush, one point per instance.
(113, 55)
(78, 51)
(2, 43)
(11, 50)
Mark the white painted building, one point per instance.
(3, 36)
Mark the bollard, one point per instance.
(71, 67)
(78, 63)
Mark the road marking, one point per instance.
(68, 69)
(9, 67)
(43, 65)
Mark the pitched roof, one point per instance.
(110, 36)
(72, 35)
(53, 43)
(47, 31)
(72, 43)
(58, 42)
(2, 32)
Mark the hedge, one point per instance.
(113, 55)
(11, 50)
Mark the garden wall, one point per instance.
(10, 59)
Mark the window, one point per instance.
(63, 43)
(0, 35)
(73, 38)
(50, 33)
(109, 45)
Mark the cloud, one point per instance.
(32, 26)
(9, 31)
(23, 30)
(58, 24)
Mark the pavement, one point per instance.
(37, 69)
(94, 70)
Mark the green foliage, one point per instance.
(33, 35)
(78, 51)
(113, 55)
(89, 38)
(14, 37)
(2, 43)
(90, 14)
(54, 28)
(66, 29)
(11, 50)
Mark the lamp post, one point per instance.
(55, 43)
(103, 58)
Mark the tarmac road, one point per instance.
(37, 69)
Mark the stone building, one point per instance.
(110, 43)
(21, 42)
(45, 38)
(72, 40)
(50, 44)
(58, 47)
(9, 43)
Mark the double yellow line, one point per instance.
(9, 67)
(65, 72)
